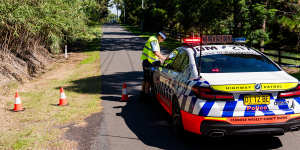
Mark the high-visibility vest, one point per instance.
(148, 52)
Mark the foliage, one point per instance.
(290, 19)
(260, 21)
(46, 22)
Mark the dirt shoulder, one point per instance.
(46, 126)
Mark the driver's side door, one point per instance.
(165, 78)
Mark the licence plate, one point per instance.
(257, 99)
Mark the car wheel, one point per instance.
(177, 126)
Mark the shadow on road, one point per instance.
(90, 85)
(112, 84)
(107, 84)
(149, 122)
(84, 134)
(117, 33)
(117, 44)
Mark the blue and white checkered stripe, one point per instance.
(200, 107)
(190, 103)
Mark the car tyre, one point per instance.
(177, 126)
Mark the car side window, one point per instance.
(170, 59)
(181, 61)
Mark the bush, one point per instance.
(48, 22)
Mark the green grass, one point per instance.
(284, 60)
(91, 59)
(92, 32)
(40, 116)
(136, 30)
(283, 53)
(296, 75)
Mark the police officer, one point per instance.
(151, 57)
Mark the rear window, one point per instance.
(226, 63)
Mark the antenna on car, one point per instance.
(200, 48)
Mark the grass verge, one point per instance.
(136, 30)
(284, 60)
(41, 125)
(296, 75)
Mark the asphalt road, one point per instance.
(138, 125)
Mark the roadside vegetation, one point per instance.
(33, 34)
(171, 44)
(32, 30)
(268, 24)
(46, 126)
(297, 75)
(289, 54)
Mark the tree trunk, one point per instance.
(298, 42)
(262, 43)
(117, 14)
(236, 19)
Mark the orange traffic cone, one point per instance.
(18, 103)
(124, 92)
(63, 98)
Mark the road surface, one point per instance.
(138, 125)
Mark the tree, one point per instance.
(118, 4)
(262, 22)
(290, 19)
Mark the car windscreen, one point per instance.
(226, 63)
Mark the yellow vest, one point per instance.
(148, 52)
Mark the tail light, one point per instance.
(209, 94)
(292, 93)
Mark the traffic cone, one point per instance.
(124, 92)
(63, 98)
(18, 103)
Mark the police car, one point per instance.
(226, 89)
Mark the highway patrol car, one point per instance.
(226, 89)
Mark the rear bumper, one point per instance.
(216, 127)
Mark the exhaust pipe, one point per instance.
(216, 134)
